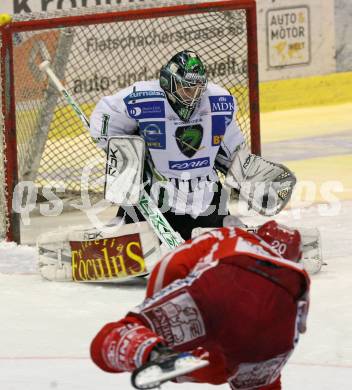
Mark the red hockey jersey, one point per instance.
(230, 293)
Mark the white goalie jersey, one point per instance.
(182, 154)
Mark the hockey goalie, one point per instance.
(165, 140)
(190, 131)
(224, 307)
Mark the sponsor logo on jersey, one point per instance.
(219, 124)
(135, 111)
(221, 103)
(143, 95)
(258, 374)
(153, 134)
(189, 138)
(216, 140)
(178, 319)
(190, 122)
(105, 125)
(189, 164)
(146, 110)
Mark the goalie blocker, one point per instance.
(265, 186)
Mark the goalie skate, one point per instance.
(152, 374)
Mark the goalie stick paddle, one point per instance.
(149, 210)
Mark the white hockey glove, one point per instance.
(265, 186)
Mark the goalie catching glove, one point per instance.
(265, 186)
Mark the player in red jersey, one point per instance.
(238, 298)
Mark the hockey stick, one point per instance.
(45, 67)
(146, 206)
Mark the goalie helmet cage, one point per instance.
(95, 52)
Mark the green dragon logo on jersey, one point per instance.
(188, 139)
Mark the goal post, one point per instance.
(95, 52)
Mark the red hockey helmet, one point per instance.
(284, 240)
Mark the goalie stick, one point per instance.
(45, 67)
(146, 206)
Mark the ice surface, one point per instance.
(46, 328)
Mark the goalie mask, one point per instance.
(184, 80)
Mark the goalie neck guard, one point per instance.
(184, 80)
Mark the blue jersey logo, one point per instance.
(144, 110)
(189, 164)
(143, 95)
(222, 103)
(219, 125)
(153, 134)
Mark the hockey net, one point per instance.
(96, 52)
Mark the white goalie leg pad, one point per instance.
(98, 255)
(265, 186)
(312, 254)
(124, 169)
